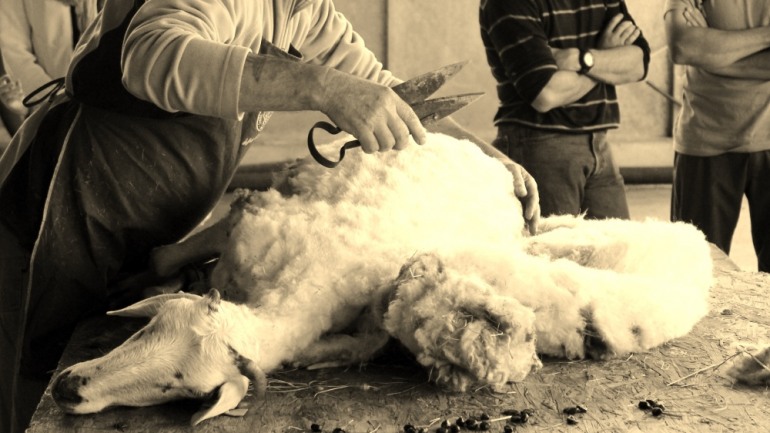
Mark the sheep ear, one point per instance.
(213, 299)
(230, 394)
(149, 307)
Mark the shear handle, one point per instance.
(333, 130)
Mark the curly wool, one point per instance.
(312, 260)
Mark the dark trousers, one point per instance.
(708, 192)
(575, 173)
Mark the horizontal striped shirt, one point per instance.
(518, 36)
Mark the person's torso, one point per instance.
(723, 114)
(570, 24)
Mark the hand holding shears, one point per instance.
(421, 112)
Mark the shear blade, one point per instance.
(422, 86)
(433, 110)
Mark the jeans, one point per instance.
(575, 173)
(708, 192)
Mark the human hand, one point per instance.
(619, 33)
(525, 189)
(374, 114)
(694, 17)
(11, 95)
(566, 58)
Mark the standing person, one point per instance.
(39, 36)
(162, 99)
(556, 63)
(722, 136)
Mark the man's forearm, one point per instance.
(619, 65)
(564, 87)
(753, 67)
(273, 84)
(711, 48)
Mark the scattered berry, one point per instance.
(571, 420)
(529, 412)
(507, 429)
(643, 405)
(484, 426)
(408, 428)
(484, 417)
(445, 423)
(581, 409)
(460, 422)
(315, 428)
(441, 430)
(454, 428)
(338, 430)
(509, 412)
(656, 411)
(652, 403)
(571, 410)
(524, 417)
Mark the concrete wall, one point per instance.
(415, 36)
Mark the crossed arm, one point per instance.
(617, 61)
(731, 53)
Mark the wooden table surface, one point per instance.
(392, 391)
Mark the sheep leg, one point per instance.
(338, 350)
(206, 244)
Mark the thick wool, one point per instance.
(476, 298)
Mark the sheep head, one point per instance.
(183, 352)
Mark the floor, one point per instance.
(652, 201)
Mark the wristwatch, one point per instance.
(586, 59)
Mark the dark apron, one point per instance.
(105, 178)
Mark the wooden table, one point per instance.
(391, 391)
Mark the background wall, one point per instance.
(414, 36)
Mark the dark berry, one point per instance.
(408, 428)
(484, 417)
(581, 409)
(529, 412)
(441, 430)
(445, 423)
(507, 429)
(509, 412)
(515, 419)
(570, 410)
(656, 411)
(484, 426)
(338, 430)
(652, 403)
(643, 405)
(571, 420)
(454, 428)
(315, 428)
(524, 417)
(460, 422)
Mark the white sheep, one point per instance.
(426, 245)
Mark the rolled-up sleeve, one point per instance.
(176, 55)
(331, 41)
(515, 31)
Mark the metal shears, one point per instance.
(415, 93)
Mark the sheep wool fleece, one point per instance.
(430, 243)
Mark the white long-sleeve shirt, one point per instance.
(189, 55)
(37, 38)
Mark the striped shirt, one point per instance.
(517, 36)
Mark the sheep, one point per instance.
(426, 245)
